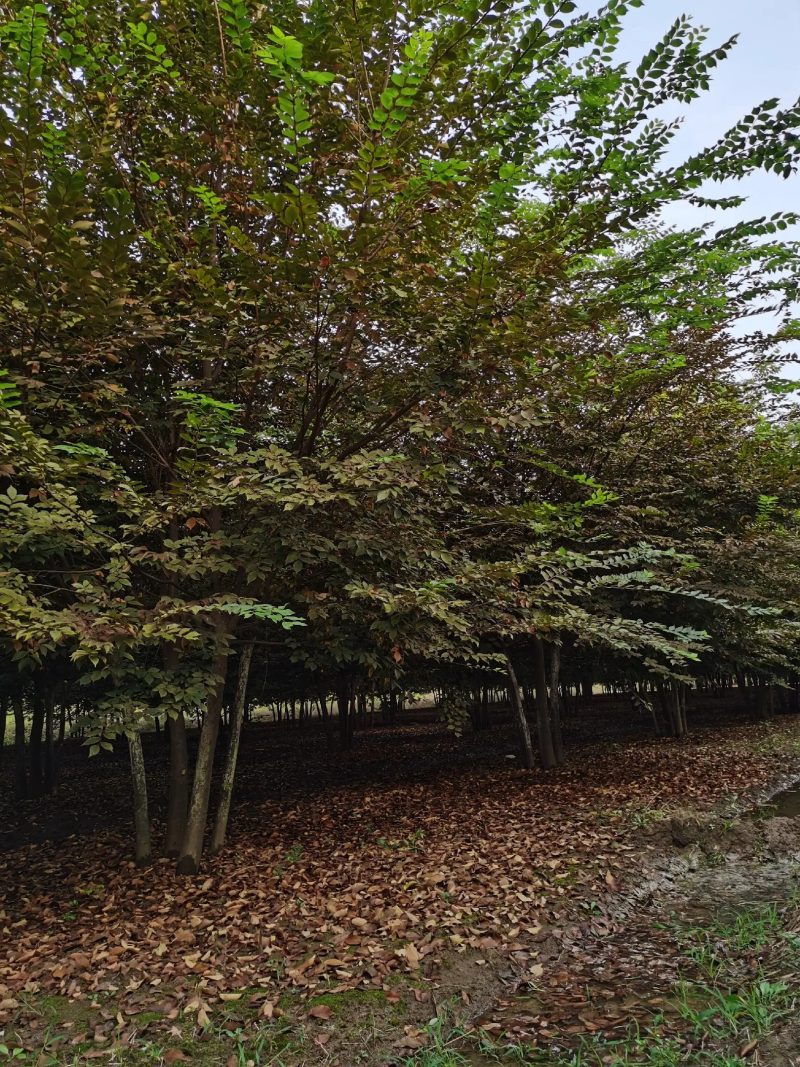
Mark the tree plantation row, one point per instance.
(345, 357)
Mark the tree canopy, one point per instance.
(354, 332)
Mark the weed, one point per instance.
(411, 842)
(643, 818)
(727, 1014)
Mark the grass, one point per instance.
(720, 1011)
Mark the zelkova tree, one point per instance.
(291, 299)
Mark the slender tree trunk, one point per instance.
(62, 721)
(351, 719)
(518, 708)
(237, 712)
(545, 737)
(485, 720)
(555, 702)
(343, 706)
(20, 769)
(362, 709)
(178, 803)
(327, 720)
(192, 847)
(682, 704)
(141, 819)
(37, 727)
(49, 748)
(658, 730)
(3, 720)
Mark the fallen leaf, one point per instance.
(321, 1011)
(174, 1054)
(413, 957)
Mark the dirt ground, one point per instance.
(359, 894)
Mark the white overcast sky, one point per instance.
(764, 63)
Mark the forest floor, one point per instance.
(419, 901)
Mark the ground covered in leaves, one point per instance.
(357, 894)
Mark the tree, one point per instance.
(320, 317)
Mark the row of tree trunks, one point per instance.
(673, 708)
(520, 718)
(237, 715)
(546, 707)
(35, 771)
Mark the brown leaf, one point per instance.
(174, 1054)
(413, 957)
(321, 1011)
(747, 1049)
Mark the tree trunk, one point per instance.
(237, 712)
(555, 702)
(351, 720)
(545, 737)
(192, 847)
(327, 721)
(49, 749)
(20, 770)
(343, 705)
(178, 803)
(658, 729)
(141, 819)
(3, 720)
(62, 721)
(519, 715)
(35, 746)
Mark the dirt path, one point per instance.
(703, 968)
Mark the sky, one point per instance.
(765, 63)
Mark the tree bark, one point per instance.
(545, 737)
(234, 733)
(35, 746)
(49, 750)
(141, 819)
(192, 847)
(519, 715)
(178, 803)
(3, 720)
(20, 770)
(343, 705)
(555, 702)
